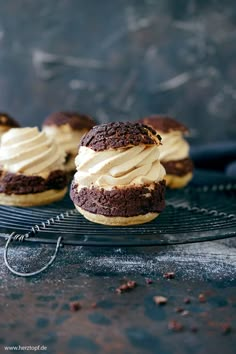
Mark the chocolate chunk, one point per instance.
(187, 300)
(194, 329)
(118, 135)
(129, 285)
(226, 328)
(149, 281)
(160, 300)
(120, 201)
(175, 326)
(7, 120)
(164, 124)
(12, 183)
(76, 120)
(179, 309)
(75, 306)
(201, 298)
(169, 275)
(179, 167)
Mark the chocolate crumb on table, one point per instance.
(160, 300)
(75, 306)
(179, 309)
(187, 300)
(169, 275)
(226, 328)
(175, 326)
(131, 284)
(149, 281)
(194, 329)
(202, 298)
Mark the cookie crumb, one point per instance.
(194, 329)
(226, 328)
(185, 313)
(179, 309)
(149, 281)
(94, 305)
(187, 300)
(169, 275)
(160, 300)
(175, 326)
(131, 284)
(75, 306)
(202, 298)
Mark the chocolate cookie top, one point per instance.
(164, 124)
(7, 120)
(77, 121)
(119, 134)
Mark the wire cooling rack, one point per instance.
(198, 213)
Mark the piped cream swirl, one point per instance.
(136, 165)
(174, 147)
(29, 152)
(65, 136)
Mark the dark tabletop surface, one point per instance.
(37, 311)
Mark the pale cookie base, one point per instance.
(70, 165)
(32, 199)
(174, 182)
(117, 220)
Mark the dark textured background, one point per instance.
(121, 60)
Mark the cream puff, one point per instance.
(67, 128)
(6, 123)
(174, 152)
(119, 179)
(31, 168)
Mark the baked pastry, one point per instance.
(31, 168)
(67, 128)
(6, 123)
(174, 152)
(119, 179)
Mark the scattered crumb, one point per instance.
(131, 284)
(149, 281)
(160, 300)
(194, 329)
(202, 298)
(179, 309)
(94, 305)
(126, 286)
(169, 275)
(187, 300)
(75, 306)
(175, 326)
(226, 328)
(185, 313)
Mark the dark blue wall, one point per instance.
(121, 59)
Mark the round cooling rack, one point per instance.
(197, 213)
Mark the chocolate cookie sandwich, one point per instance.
(119, 179)
(67, 128)
(31, 168)
(6, 123)
(174, 152)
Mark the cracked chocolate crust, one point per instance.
(119, 134)
(124, 202)
(7, 120)
(178, 168)
(11, 183)
(77, 121)
(164, 124)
